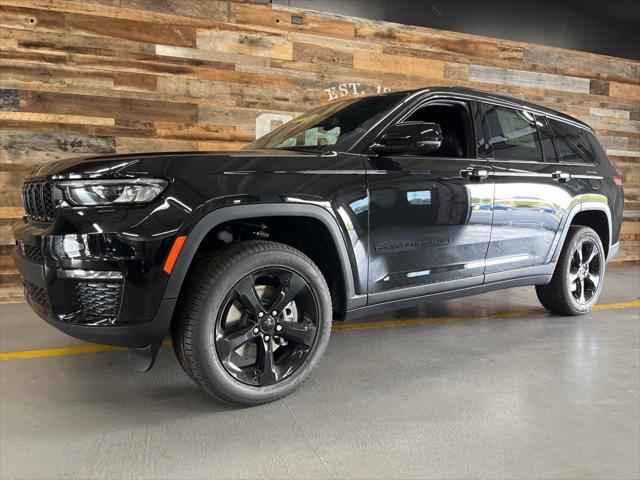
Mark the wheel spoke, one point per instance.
(230, 343)
(582, 297)
(248, 297)
(573, 276)
(594, 279)
(266, 364)
(302, 333)
(574, 285)
(291, 285)
(592, 255)
(579, 253)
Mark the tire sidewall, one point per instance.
(584, 233)
(213, 369)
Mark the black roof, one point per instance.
(515, 102)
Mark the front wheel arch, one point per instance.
(225, 214)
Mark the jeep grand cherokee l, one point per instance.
(359, 206)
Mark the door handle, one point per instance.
(474, 174)
(561, 177)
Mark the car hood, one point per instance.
(149, 164)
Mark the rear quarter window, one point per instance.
(573, 143)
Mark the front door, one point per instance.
(430, 215)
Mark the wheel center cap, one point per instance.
(268, 324)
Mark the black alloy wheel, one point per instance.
(579, 274)
(253, 322)
(267, 326)
(585, 271)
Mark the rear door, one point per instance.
(533, 192)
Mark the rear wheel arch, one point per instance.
(221, 216)
(599, 221)
(595, 215)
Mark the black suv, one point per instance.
(359, 206)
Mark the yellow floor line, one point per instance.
(58, 352)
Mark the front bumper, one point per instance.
(124, 308)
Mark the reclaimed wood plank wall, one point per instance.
(105, 76)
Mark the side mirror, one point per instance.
(410, 137)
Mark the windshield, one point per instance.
(330, 127)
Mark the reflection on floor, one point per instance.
(505, 396)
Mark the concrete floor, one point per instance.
(535, 396)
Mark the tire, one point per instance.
(227, 315)
(577, 280)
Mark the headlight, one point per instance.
(109, 192)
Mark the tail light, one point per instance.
(617, 180)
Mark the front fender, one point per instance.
(238, 212)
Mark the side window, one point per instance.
(573, 143)
(514, 135)
(546, 140)
(454, 119)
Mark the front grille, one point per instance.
(38, 201)
(30, 251)
(38, 294)
(99, 298)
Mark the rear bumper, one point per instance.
(126, 310)
(613, 251)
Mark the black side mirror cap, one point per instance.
(410, 138)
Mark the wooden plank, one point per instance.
(232, 76)
(346, 45)
(10, 196)
(11, 212)
(134, 145)
(599, 87)
(584, 65)
(200, 132)
(6, 235)
(27, 148)
(305, 52)
(135, 81)
(220, 146)
(456, 71)
(112, 108)
(244, 119)
(625, 90)
(200, 54)
(283, 19)
(263, 44)
(170, 12)
(9, 99)
(562, 83)
(22, 75)
(408, 66)
(609, 112)
(70, 45)
(63, 87)
(136, 30)
(57, 118)
(455, 50)
(12, 292)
